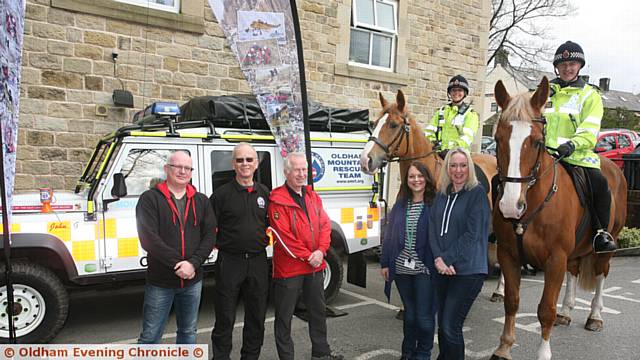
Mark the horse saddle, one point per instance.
(482, 178)
(583, 190)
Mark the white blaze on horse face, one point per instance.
(511, 197)
(364, 157)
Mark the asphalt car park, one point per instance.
(369, 329)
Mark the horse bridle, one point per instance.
(405, 131)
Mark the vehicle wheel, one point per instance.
(41, 304)
(332, 275)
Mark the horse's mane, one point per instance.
(519, 109)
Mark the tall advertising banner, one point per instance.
(11, 33)
(262, 36)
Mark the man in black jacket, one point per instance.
(176, 227)
(241, 209)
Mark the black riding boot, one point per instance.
(602, 241)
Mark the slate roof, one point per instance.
(610, 99)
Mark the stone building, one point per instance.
(174, 50)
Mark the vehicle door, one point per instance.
(625, 144)
(218, 170)
(141, 164)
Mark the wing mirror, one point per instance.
(118, 190)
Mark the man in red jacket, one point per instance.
(302, 232)
(176, 227)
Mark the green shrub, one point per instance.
(629, 237)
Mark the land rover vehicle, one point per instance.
(90, 237)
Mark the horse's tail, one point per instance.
(587, 273)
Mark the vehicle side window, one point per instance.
(222, 172)
(623, 141)
(606, 143)
(143, 169)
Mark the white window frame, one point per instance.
(374, 29)
(152, 5)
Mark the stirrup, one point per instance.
(603, 242)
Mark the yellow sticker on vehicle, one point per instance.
(60, 229)
(83, 250)
(127, 247)
(346, 215)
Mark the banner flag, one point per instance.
(11, 34)
(262, 37)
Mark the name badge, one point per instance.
(410, 264)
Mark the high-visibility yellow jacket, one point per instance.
(452, 129)
(574, 114)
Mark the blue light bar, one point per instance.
(162, 108)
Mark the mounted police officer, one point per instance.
(455, 124)
(573, 122)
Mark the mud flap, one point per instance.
(357, 269)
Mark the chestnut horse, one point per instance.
(397, 136)
(540, 203)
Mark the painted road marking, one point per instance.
(365, 301)
(376, 353)
(636, 281)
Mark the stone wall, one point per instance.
(68, 71)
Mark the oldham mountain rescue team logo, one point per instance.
(317, 167)
(276, 215)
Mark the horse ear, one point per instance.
(502, 95)
(383, 101)
(539, 98)
(400, 101)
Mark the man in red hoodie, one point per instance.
(301, 231)
(176, 227)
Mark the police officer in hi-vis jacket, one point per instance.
(573, 122)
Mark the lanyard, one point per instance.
(411, 230)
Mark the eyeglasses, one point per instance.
(179, 167)
(241, 160)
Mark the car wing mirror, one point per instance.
(118, 190)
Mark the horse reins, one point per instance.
(520, 225)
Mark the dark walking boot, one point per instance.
(603, 242)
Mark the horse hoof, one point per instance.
(562, 320)
(594, 325)
(496, 357)
(496, 297)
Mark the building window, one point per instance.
(494, 107)
(374, 33)
(166, 5)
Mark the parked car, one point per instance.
(488, 145)
(635, 137)
(613, 144)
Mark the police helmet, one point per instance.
(569, 51)
(458, 81)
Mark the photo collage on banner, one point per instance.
(264, 43)
(11, 31)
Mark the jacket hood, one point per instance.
(281, 195)
(164, 189)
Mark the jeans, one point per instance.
(418, 298)
(455, 296)
(155, 311)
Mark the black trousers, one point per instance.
(601, 198)
(286, 293)
(237, 274)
